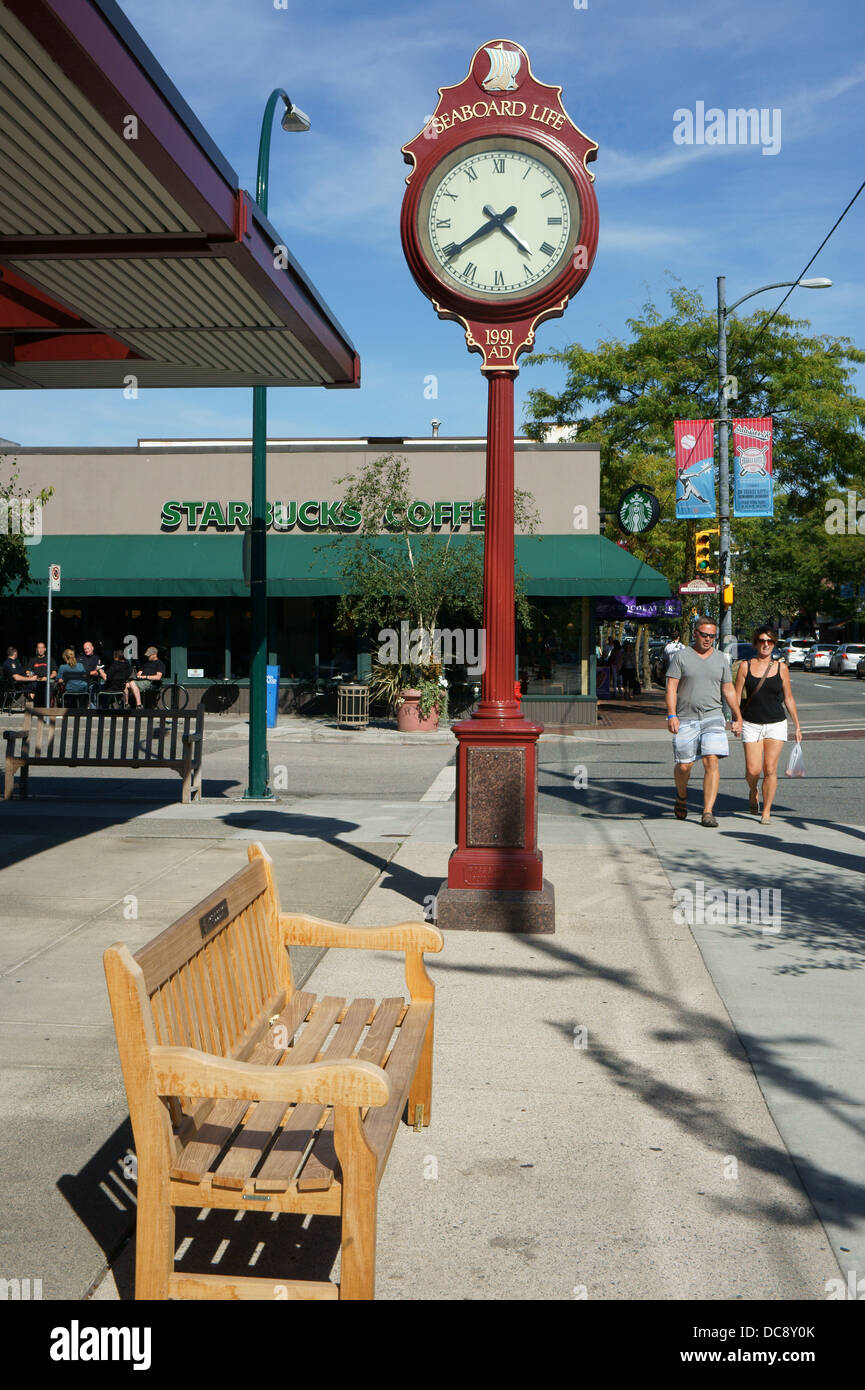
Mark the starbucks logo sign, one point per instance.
(638, 510)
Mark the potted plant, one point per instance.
(418, 694)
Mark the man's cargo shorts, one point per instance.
(697, 737)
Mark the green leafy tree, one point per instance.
(625, 396)
(14, 516)
(402, 573)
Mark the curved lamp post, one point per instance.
(725, 630)
(258, 788)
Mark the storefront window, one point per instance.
(551, 654)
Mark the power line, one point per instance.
(801, 274)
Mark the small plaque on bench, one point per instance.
(213, 918)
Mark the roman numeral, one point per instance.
(547, 194)
(554, 222)
(471, 174)
(443, 222)
(450, 250)
(526, 174)
(498, 278)
(499, 165)
(527, 270)
(445, 194)
(469, 272)
(546, 248)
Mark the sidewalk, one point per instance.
(598, 1130)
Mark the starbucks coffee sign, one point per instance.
(222, 516)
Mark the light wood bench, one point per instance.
(107, 738)
(242, 1095)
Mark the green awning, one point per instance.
(198, 566)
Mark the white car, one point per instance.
(795, 649)
(818, 655)
(846, 658)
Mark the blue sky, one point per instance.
(367, 76)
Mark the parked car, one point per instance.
(860, 669)
(845, 658)
(795, 649)
(817, 656)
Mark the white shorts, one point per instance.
(755, 733)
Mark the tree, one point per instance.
(17, 514)
(395, 572)
(626, 395)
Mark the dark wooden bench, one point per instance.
(245, 1093)
(107, 738)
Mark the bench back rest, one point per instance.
(211, 981)
(85, 735)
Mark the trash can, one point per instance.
(272, 695)
(352, 706)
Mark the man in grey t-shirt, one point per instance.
(697, 677)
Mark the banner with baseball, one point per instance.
(695, 468)
(752, 467)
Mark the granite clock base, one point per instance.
(496, 909)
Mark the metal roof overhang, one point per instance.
(139, 255)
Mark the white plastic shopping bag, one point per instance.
(795, 762)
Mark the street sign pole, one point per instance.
(53, 583)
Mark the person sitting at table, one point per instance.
(18, 676)
(39, 665)
(91, 663)
(151, 672)
(73, 677)
(118, 679)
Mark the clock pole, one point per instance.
(489, 134)
(495, 875)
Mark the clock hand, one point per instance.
(455, 247)
(500, 219)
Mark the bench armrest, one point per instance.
(296, 929)
(11, 734)
(182, 1071)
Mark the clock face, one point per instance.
(498, 219)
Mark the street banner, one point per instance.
(695, 468)
(752, 467)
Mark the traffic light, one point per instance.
(727, 596)
(703, 552)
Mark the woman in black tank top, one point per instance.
(763, 690)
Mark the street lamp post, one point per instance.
(258, 788)
(725, 630)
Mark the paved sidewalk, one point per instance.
(643, 1164)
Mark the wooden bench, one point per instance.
(107, 738)
(245, 1093)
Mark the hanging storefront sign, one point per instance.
(626, 606)
(752, 467)
(695, 468)
(638, 510)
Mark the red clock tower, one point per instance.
(500, 228)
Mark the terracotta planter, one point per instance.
(408, 719)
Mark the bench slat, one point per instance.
(321, 1165)
(173, 947)
(264, 1118)
(197, 1156)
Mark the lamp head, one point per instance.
(819, 283)
(294, 118)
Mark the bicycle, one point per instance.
(173, 696)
